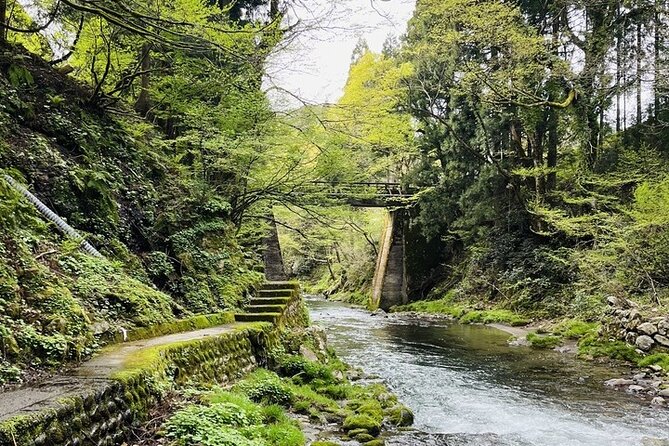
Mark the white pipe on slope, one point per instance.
(52, 217)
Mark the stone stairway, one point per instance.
(269, 303)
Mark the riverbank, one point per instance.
(468, 387)
(648, 379)
(295, 403)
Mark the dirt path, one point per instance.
(91, 375)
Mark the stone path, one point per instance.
(91, 375)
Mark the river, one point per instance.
(468, 387)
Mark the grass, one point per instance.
(494, 317)
(575, 329)
(661, 359)
(543, 342)
(593, 346)
(449, 307)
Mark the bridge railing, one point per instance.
(368, 189)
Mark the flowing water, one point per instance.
(468, 387)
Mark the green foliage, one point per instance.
(661, 359)
(265, 387)
(494, 316)
(307, 371)
(575, 329)
(462, 311)
(595, 347)
(543, 342)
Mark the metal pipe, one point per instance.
(52, 217)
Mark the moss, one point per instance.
(444, 306)
(543, 342)
(661, 359)
(593, 346)
(400, 416)
(180, 326)
(365, 422)
(494, 316)
(375, 442)
(575, 329)
(450, 307)
(363, 437)
(324, 443)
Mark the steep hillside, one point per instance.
(169, 245)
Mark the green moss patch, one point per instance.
(543, 342)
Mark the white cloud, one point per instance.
(314, 64)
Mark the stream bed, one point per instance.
(466, 386)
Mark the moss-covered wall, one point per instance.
(103, 414)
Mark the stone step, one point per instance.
(280, 286)
(257, 317)
(276, 293)
(265, 308)
(270, 300)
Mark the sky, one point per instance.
(312, 66)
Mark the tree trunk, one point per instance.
(274, 9)
(657, 25)
(639, 74)
(553, 142)
(143, 104)
(3, 21)
(619, 70)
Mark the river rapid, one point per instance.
(467, 386)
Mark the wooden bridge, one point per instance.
(390, 278)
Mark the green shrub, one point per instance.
(308, 371)
(284, 434)
(270, 392)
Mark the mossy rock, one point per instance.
(354, 432)
(364, 438)
(375, 442)
(401, 416)
(324, 443)
(362, 422)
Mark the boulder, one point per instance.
(662, 340)
(613, 301)
(630, 337)
(632, 324)
(663, 327)
(664, 393)
(644, 343)
(308, 353)
(635, 388)
(619, 382)
(658, 401)
(647, 328)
